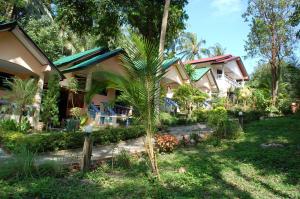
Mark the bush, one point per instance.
(51, 168)
(217, 116)
(223, 127)
(123, 159)
(19, 167)
(248, 116)
(8, 125)
(23, 166)
(51, 141)
(186, 121)
(228, 129)
(201, 115)
(24, 126)
(166, 142)
(195, 137)
(168, 119)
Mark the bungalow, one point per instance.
(85, 66)
(228, 70)
(204, 79)
(21, 57)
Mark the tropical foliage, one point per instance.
(271, 36)
(140, 88)
(190, 48)
(22, 94)
(50, 102)
(189, 97)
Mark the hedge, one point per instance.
(51, 141)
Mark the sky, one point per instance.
(220, 21)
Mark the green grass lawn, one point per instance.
(233, 169)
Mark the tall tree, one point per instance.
(271, 35)
(11, 10)
(98, 18)
(105, 18)
(295, 18)
(217, 50)
(190, 47)
(164, 27)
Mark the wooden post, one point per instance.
(87, 152)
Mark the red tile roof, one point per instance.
(222, 59)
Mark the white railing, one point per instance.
(231, 81)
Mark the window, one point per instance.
(219, 73)
(3, 78)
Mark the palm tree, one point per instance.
(22, 93)
(139, 87)
(217, 50)
(190, 48)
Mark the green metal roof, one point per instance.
(74, 57)
(169, 62)
(199, 73)
(92, 61)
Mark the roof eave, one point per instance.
(69, 70)
(14, 26)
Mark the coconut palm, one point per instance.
(190, 47)
(22, 93)
(217, 50)
(139, 87)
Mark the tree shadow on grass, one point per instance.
(283, 160)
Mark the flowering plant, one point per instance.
(166, 142)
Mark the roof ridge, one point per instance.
(77, 56)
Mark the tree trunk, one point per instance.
(21, 113)
(275, 66)
(151, 153)
(164, 27)
(162, 46)
(275, 85)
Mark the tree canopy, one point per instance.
(271, 36)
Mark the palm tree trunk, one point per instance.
(21, 113)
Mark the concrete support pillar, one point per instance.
(37, 102)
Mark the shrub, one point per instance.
(186, 121)
(223, 127)
(51, 168)
(228, 129)
(253, 115)
(167, 119)
(195, 137)
(19, 167)
(24, 126)
(51, 141)
(8, 125)
(166, 142)
(123, 159)
(200, 114)
(217, 116)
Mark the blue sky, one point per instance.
(220, 21)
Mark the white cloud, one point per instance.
(226, 7)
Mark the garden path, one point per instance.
(107, 151)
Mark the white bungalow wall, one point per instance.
(204, 85)
(230, 73)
